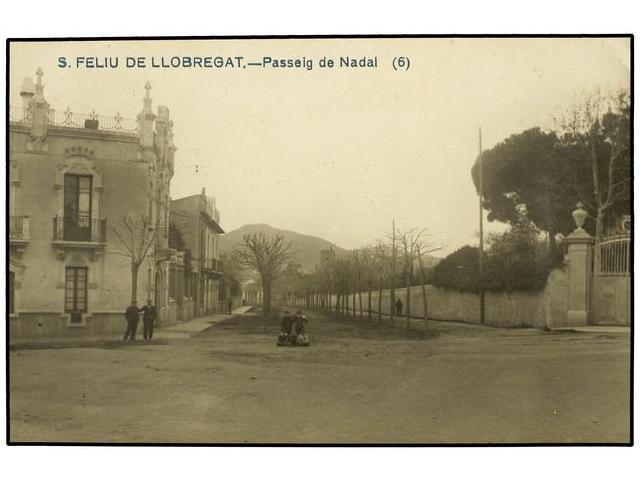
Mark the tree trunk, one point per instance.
(392, 292)
(360, 302)
(345, 302)
(353, 302)
(134, 282)
(266, 300)
(599, 224)
(392, 296)
(369, 304)
(345, 297)
(380, 299)
(407, 282)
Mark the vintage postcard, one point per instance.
(383, 240)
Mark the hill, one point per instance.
(307, 246)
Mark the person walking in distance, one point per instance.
(230, 304)
(399, 307)
(131, 315)
(149, 317)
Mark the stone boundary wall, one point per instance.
(545, 308)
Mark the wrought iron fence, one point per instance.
(70, 119)
(19, 114)
(80, 230)
(612, 257)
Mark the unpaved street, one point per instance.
(355, 383)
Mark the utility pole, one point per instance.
(481, 248)
(392, 296)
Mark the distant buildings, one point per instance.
(196, 222)
(252, 292)
(73, 179)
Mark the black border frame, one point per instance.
(9, 41)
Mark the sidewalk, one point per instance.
(177, 331)
(195, 326)
(595, 329)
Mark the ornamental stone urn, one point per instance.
(579, 216)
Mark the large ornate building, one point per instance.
(79, 185)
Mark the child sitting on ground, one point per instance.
(285, 330)
(300, 337)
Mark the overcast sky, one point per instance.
(337, 152)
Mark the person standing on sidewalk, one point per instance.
(131, 314)
(399, 307)
(148, 320)
(230, 304)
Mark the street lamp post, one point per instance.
(481, 221)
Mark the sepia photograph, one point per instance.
(320, 240)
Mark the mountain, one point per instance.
(307, 247)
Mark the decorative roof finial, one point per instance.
(147, 87)
(39, 94)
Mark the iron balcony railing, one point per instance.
(68, 118)
(212, 264)
(80, 230)
(19, 227)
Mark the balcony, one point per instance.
(19, 233)
(80, 121)
(212, 265)
(79, 233)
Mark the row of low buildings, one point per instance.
(88, 194)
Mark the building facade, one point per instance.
(197, 220)
(79, 185)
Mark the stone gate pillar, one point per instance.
(579, 259)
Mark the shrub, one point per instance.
(516, 260)
(458, 271)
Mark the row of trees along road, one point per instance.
(340, 284)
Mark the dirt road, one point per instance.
(354, 384)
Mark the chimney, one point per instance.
(27, 91)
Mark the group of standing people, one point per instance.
(292, 331)
(132, 314)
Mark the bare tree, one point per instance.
(358, 269)
(136, 235)
(603, 136)
(408, 241)
(382, 264)
(421, 249)
(268, 256)
(394, 261)
(342, 274)
(368, 266)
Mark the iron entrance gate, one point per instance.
(611, 285)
